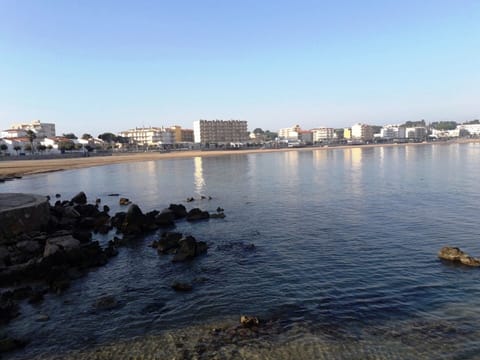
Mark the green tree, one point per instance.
(31, 136)
(3, 147)
(258, 131)
(70, 136)
(28, 147)
(17, 148)
(86, 136)
(444, 125)
(42, 148)
(108, 137)
(476, 121)
(49, 147)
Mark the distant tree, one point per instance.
(66, 145)
(415, 123)
(108, 137)
(70, 136)
(17, 148)
(444, 125)
(28, 147)
(258, 131)
(122, 139)
(31, 136)
(86, 136)
(49, 147)
(339, 133)
(77, 146)
(42, 148)
(476, 121)
(270, 135)
(3, 147)
(376, 129)
(89, 148)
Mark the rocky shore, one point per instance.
(46, 261)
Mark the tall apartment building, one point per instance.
(323, 134)
(416, 133)
(362, 132)
(150, 135)
(42, 130)
(220, 131)
(182, 135)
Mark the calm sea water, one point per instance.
(345, 255)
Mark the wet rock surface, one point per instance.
(456, 255)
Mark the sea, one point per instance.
(335, 250)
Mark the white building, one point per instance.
(362, 132)
(13, 133)
(42, 130)
(473, 129)
(323, 134)
(289, 134)
(220, 131)
(391, 132)
(151, 136)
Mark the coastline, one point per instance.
(11, 168)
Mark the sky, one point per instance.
(94, 66)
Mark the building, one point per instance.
(347, 133)
(305, 136)
(390, 132)
(416, 133)
(323, 134)
(41, 130)
(223, 132)
(13, 133)
(362, 132)
(472, 129)
(182, 135)
(289, 134)
(150, 136)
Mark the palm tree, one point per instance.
(31, 136)
(17, 148)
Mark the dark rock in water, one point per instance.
(84, 236)
(134, 222)
(249, 321)
(457, 255)
(189, 248)
(113, 194)
(218, 216)
(124, 201)
(36, 297)
(168, 241)
(165, 219)
(180, 286)
(117, 219)
(87, 210)
(197, 214)
(106, 209)
(190, 199)
(22, 293)
(60, 284)
(179, 211)
(106, 302)
(98, 201)
(219, 209)
(8, 344)
(58, 196)
(80, 198)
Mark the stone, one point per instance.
(8, 344)
(29, 246)
(187, 249)
(124, 201)
(218, 215)
(168, 241)
(42, 318)
(469, 260)
(106, 302)
(165, 219)
(196, 214)
(179, 211)
(66, 243)
(80, 198)
(249, 321)
(450, 253)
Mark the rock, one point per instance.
(134, 222)
(66, 243)
(457, 255)
(106, 209)
(179, 211)
(42, 317)
(58, 196)
(196, 214)
(70, 212)
(84, 236)
(450, 253)
(180, 286)
(165, 219)
(190, 199)
(29, 246)
(113, 194)
(98, 201)
(469, 260)
(9, 310)
(36, 297)
(124, 201)
(249, 321)
(168, 241)
(218, 216)
(201, 248)
(219, 209)
(80, 198)
(186, 250)
(106, 302)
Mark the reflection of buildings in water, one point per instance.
(353, 165)
(198, 175)
(291, 164)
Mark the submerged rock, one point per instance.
(180, 286)
(249, 321)
(106, 302)
(456, 255)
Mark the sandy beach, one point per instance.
(28, 167)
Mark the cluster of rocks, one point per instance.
(9, 178)
(183, 247)
(456, 255)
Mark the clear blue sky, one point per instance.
(95, 66)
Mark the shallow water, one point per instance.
(344, 258)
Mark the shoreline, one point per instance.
(12, 168)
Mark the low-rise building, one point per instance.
(13, 133)
(150, 136)
(390, 132)
(472, 129)
(41, 130)
(290, 133)
(416, 133)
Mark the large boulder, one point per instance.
(457, 255)
(165, 218)
(178, 210)
(66, 243)
(196, 214)
(168, 241)
(189, 248)
(134, 221)
(80, 198)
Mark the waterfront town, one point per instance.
(40, 138)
